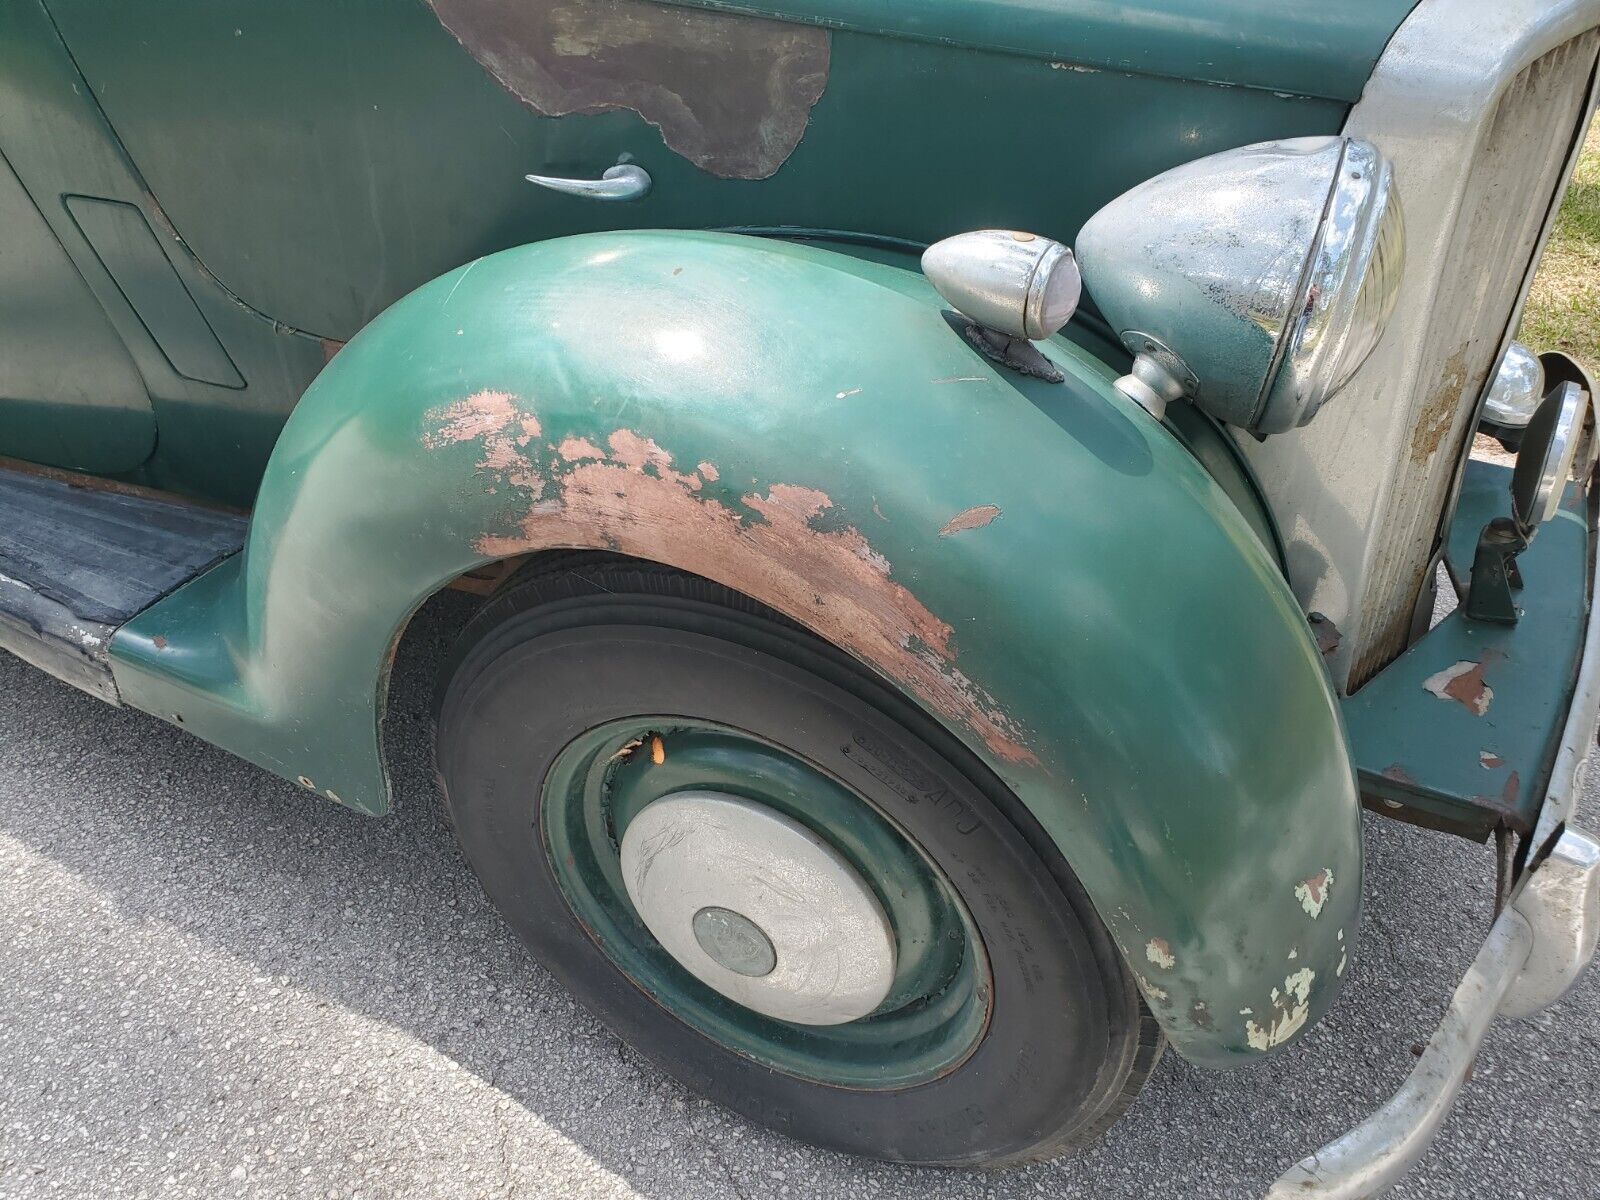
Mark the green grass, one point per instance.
(1563, 311)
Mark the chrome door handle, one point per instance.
(622, 182)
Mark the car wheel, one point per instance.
(775, 877)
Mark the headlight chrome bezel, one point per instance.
(1266, 273)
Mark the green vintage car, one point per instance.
(924, 667)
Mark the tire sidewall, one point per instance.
(544, 676)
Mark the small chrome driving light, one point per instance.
(1255, 281)
(1516, 391)
(1018, 284)
(1549, 449)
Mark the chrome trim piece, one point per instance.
(1268, 271)
(1348, 293)
(1020, 284)
(1372, 1157)
(1475, 102)
(1537, 487)
(1561, 903)
(1536, 950)
(626, 181)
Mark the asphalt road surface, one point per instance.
(212, 984)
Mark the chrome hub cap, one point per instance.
(759, 908)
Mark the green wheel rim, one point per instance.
(938, 1005)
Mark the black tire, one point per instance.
(576, 640)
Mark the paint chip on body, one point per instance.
(1158, 952)
(1290, 1009)
(975, 517)
(1464, 684)
(1313, 892)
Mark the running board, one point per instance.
(77, 561)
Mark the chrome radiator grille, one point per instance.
(1519, 166)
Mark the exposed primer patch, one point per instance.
(1313, 893)
(493, 420)
(576, 449)
(975, 517)
(1151, 990)
(730, 93)
(1159, 952)
(772, 545)
(1464, 684)
(1489, 760)
(1287, 1016)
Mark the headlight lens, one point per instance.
(1351, 284)
(1267, 272)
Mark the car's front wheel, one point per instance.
(775, 877)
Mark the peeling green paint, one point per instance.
(1088, 644)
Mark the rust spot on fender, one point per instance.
(975, 517)
(576, 449)
(494, 420)
(1490, 760)
(1464, 684)
(730, 93)
(830, 579)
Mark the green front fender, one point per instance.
(1041, 566)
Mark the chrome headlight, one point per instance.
(1517, 388)
(1255, 281)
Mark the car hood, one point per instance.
(1321, 50)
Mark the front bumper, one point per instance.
(1537, 948)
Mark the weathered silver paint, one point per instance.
(1477, 103)
(832, 946)
(1369, 1159)
(1158, 376)
(1267, 272)
(1561, 903)
(625, 181)
(1020, 284)
(1517, 388)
